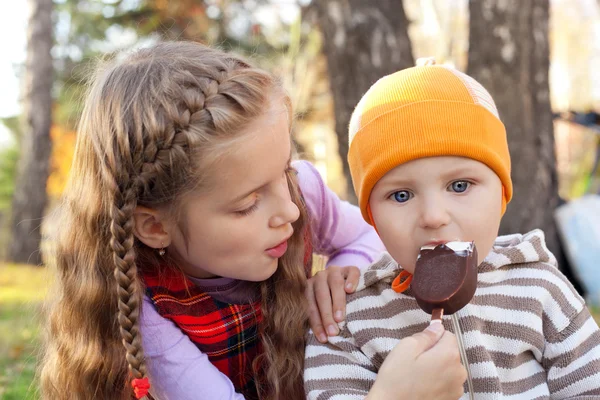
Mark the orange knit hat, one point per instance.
(424, 111)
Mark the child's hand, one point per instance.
(326, 294)
(423, 366)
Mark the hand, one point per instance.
(326, 295)
(423, 366)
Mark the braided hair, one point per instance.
(150, 125)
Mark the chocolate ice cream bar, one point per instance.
(445, 277)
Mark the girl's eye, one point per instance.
(248, 210)
(459, 186)
(402, 196)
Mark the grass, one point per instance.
(23, 289)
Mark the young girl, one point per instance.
(182, 190)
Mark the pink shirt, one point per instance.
(178, 369)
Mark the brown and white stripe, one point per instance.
(527, 333)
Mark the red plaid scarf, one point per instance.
(226, 333)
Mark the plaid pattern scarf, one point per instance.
(227, 333)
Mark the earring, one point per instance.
(162, 250)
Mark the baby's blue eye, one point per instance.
(402, 196)
(460, 186)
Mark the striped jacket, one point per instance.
(527, 333)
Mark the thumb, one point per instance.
(428, 338)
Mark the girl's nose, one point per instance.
(287, 211)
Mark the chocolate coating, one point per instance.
(445, 278)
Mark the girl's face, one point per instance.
(436, 200)
(239, 226)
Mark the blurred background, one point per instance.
(539, 59)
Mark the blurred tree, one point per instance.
(363, 41)
(509, 55)
(29, 200)
(87, 29)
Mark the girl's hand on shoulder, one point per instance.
(326, 295)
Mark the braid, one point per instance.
(151, 125)
(166, 144)
(164, 147)
(129, 292)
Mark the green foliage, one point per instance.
(596, 314)
(87, 29)
(8, 172)
(9, 157)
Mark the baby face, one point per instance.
(436, 200)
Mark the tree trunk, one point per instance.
(363, 41)
(509, 56)
(30, 197)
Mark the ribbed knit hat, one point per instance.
(424, 111)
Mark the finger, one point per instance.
(324, 303)
(422, 341)
(352, 277)
(314, 317)
(447, 347)
(444, 352)
(448, 339)
(336, 283)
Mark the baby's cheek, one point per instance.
(404, 257)
(483, 248)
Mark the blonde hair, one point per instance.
(148, 126)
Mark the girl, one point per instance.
(182, 190)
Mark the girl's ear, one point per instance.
(150, 228)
